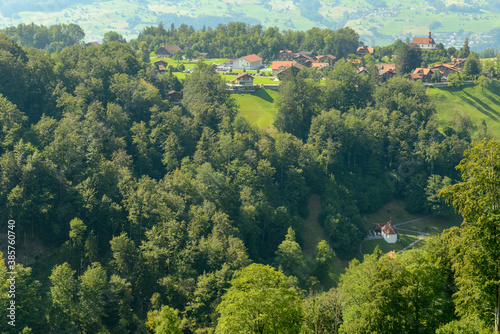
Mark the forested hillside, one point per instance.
(185, 218)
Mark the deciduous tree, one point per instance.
(476, 264)
(260, 300)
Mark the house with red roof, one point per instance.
(319, 66)
(242, 82)
(365, 50)
(445, 69)
(424, 73)
(278, 66)
(295, 68)
(250, 62)
(385, 67)
(424, 43)
(161, 65)
(389, 233)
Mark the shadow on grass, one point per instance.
(480, 105)
(263, 94)
(491, 98)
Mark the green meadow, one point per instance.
(480, 104)
(258, 108)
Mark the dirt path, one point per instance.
(312, 231)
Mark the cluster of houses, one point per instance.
(443, 71)
(388, 71)
(295, 61)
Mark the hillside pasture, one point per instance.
(480, 104)
(258, 108)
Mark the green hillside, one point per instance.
(377, 21)
(472, 100)
(260, 108)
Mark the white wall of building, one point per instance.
(390, 238)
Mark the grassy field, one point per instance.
(434, 225)
(258, 108)
(472, 100)
(256, 80)
(403, 241)
(395, 211)
(187, 63)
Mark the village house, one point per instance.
(425, 74)
(278, 66)
(304, 56)
(445, 69)
(385, 67)
(175, 97)
(161, 65)
(389, 233)
(295, 68)
(92, 44)
(331, 59)
(242, 82)
(320, 66)
(250, 62)
(414, 77)
(424, 43)
(363, 70)
(386, 74)
(365, 50)
(167, 51)
(286, 55)
(321, 59)
(458, 62)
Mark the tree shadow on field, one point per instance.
(480, 105)
(491, 98)
(263, 94)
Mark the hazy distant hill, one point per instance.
(377, 21)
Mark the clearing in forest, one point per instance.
(312, 231)
(258, 108)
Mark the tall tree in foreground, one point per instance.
(477, 255)
(260, 300)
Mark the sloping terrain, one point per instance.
(480, 104)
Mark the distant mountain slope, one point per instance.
(377, 21)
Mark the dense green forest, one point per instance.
(185, 218)
(231, 40)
